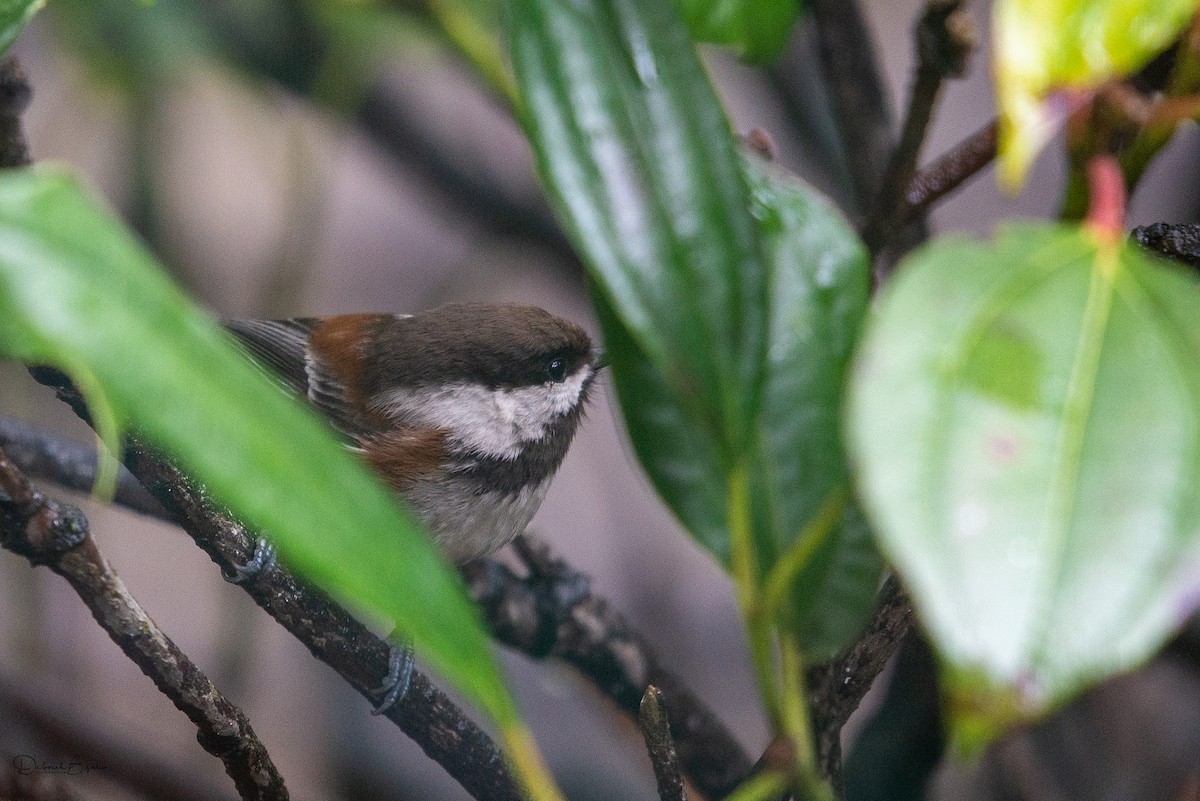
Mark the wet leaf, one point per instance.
(77, 292)
(1025, 415)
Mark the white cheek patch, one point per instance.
(564, 396)
(495, 422)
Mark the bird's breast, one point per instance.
(469, 522)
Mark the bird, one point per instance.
(465, 410)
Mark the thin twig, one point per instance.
(45, 456)
(837, 688)
(55, 534)
(550, 612)
(949, 171)
(656, 730)
(945, 38)
(428, 716)
(91, 739)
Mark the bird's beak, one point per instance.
(599, 359)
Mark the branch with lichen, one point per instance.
(55, 534)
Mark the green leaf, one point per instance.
(757, 29)
(138, 47)
(819, 293)
(14, 14)
(637, 155)
(687, 242)
(1044, 46)
(475, 28)
(820, 287)
(684, 464)
(1026, 419)
(77, 292)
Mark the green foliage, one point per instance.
(77, 292)
(637, 155)
(799, 482)
(1024, 416)
(687, 243)
(327, 50)
(129, 45)
(757, 29)
(1026, 419)
(14, 14)
(1048, 45)
(819, 289)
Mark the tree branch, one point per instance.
(550, 612)
(945, 38)
(332, 635)
(54, 534)
(836, 688)
(538, 615)
(63, 726)
(1178, 242)
(949, 171)
(329, 632)
(43, 455)
(656, 730)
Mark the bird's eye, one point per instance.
(556, 368)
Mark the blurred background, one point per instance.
(289, 158)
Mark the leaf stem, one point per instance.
(945, 39)
(814, 534)
(783, 695)
(528, 764)
(796, 722)
(745, 576)
(760, 787)
(1106, 201)
(108, 432)
(477, 46)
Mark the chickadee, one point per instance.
(466, 410)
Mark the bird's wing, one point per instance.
(282, 347)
